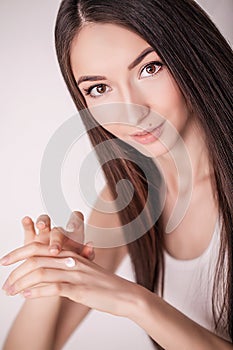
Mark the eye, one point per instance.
(97, 90)
(150, 69)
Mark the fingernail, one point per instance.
(41, 224)
(54, 249)
(26, 293)
(4, 260)
(26, 220)
(74, 223)
(10, 290)
(91, 254)
(70, 227)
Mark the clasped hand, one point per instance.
(55, 265)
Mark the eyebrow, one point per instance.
(90, 78)
(137, 60)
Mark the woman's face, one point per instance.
(128, 89)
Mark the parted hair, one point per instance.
(201, 62)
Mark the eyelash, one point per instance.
(157, 63)
(88, 90)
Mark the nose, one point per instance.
(138, 110)
(134, 106)
(135, 114)
(129, 107)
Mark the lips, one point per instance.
(141, 133)
(145, 132)
(149, 135)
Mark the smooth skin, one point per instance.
(60, 316)
(107, 50)
(95, 287)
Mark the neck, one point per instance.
(186, 161)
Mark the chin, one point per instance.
(153, 150)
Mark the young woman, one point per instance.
(168, 58)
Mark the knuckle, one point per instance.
(58, 288)
(56, 240)
(57, 231)
(40, 273)
(33, 261)
(35, 246)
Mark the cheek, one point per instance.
(117, 118)
(115, 129)
(167, 100)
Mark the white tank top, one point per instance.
(188, 287)
(188, 284)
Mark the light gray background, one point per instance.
(34, 103)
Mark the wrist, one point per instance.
(139, 303)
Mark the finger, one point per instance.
(29, 229)
(43, 223)
(75, 227)
(57, 240)
(37, 262)
(74, 231)
(56, 289)
(29, 250)
(88, 251)
(44, 275)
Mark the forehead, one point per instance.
(98, 44)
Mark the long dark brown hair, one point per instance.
(201, 62)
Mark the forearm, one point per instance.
(34, 326)
(169, 327)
